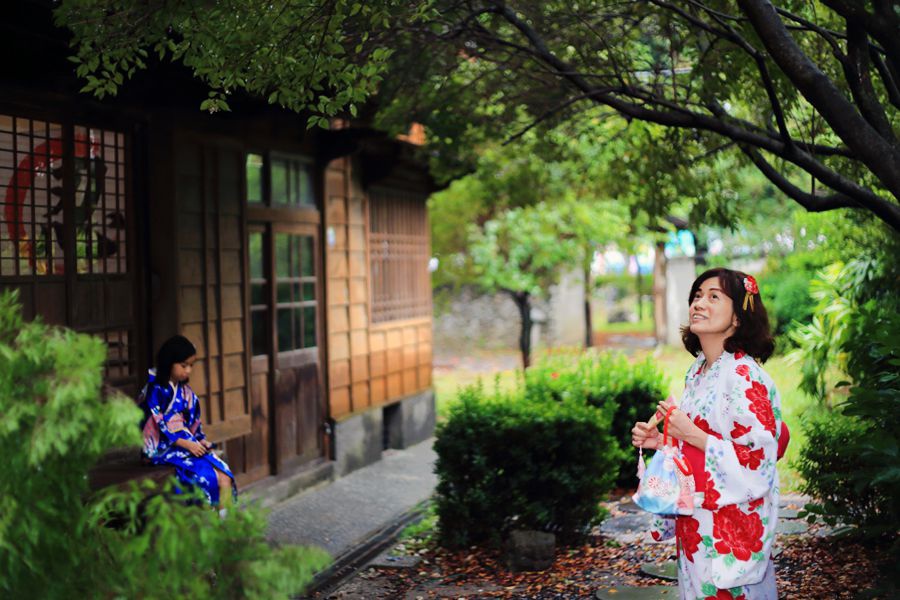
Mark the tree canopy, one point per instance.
(807, 92)
(318, 57)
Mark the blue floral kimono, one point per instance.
(174, 411)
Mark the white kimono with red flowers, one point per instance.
(725, 547)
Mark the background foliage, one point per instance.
(56, 540)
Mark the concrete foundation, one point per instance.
(360, 439)
(409, 421)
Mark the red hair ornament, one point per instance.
(750, 288)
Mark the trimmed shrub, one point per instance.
(507, 461)
(608, 381)
(57, 542)
(850, 487)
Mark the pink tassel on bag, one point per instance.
(641, 465)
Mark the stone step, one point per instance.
(654, 592)
(664, 570)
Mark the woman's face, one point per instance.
(181, 371)
(711, 311)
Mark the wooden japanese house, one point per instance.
(296, 260)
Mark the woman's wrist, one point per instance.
(698, 438)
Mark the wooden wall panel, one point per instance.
(210, 275)
(368, 365)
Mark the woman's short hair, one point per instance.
(753, 335)
(176, 349)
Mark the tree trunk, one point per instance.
(523, 303)
(588, 293)
(637, 288)
(660, 324)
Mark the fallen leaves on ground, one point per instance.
(807, 568)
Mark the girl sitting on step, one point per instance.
(173, 433)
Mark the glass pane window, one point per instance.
(291, 182)
(100, 222)
(399, 253)
(260, 327)
(254, 169)
(295, 293)
(64, 214)
(281, 191)
(259, 313)
(31, 172)
(309, 326)
(285, 330)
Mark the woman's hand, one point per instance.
(206, 444)
(195, 448)
(644, 435)
(680, 425)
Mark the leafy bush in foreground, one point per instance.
(58, 542)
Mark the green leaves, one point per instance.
(509, 461)
(522, 250)
(291, 50)
(58, 541)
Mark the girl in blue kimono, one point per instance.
(173, 433)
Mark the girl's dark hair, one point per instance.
(176, 349)
(753, 335)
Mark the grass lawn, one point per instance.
(448, 382)
(674, 362)
(644, 326)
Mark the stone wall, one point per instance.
(468, 319)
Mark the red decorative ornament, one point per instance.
(750, 288)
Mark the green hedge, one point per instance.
(850, 486)
(509, 461)
(57, 542)
(628, 391)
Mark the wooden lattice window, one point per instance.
(63, 230)
(399, 252)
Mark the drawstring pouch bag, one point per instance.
(667, 483)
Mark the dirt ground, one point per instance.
(809, 565)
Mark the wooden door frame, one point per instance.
(271, 224)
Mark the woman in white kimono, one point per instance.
(728, 424)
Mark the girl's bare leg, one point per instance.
(225, 496)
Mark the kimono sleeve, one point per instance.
(662, 528)
(195, 423)
(172, 424)
(741, 466)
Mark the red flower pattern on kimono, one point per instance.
(760, 405)
(704, 425)
(710, 495)
(739, 431)
(747, 457)
(739, 533)
(686, 530)
(725, 595)
(737, 479)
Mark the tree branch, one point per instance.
(877, 153)
(734, 37)
(856, 70)
(886, 211)
(890, 84)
